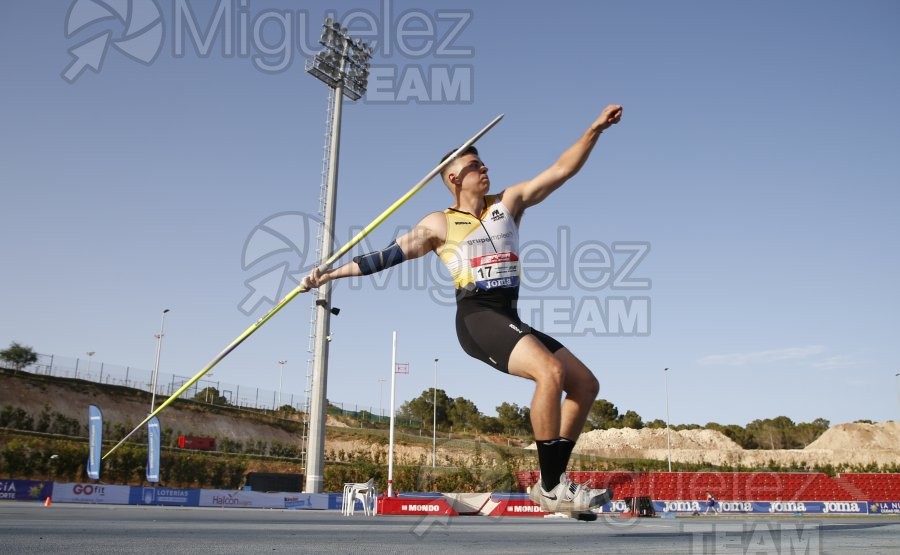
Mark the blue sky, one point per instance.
(756, 158)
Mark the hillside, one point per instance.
(857, 444)
(129, 406)
(126, 407)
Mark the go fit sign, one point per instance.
(90, 493)
(87, 489)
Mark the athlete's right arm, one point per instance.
(426, 236)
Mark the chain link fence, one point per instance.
(208, 390)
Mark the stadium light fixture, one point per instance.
(343, 65)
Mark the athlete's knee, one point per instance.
(585, 386)
(592, 387)
(551, 373)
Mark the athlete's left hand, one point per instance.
(611, 115)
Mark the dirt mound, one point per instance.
(856, 444)
(859, 436)
(647, 438)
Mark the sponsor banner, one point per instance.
(619, 506)
(153, 450)
(181, 497)
(884, 507)
(512, 507)
(511, 504)
(752, 507)
(240, 498)
(262, 500)
(335, 501)
(436, 506)
(90, 493)
(318, 501)
(25, 490)
(95, 442)
(820, 507)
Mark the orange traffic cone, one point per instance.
(47, 502)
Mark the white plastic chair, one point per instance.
(367, 493)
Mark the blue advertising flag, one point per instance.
(153, 450)
(95, 440)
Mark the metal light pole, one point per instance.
(158, 337)
(281, 363)
(52, 466)
(343, 65)
(434, 420)
(381, 397)
(90, 355)
(668, 431)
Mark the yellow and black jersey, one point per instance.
(482, 253)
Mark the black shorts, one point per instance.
(489, 332)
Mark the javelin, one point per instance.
(300, 288)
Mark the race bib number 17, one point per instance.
(495, 270)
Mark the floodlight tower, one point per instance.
(343, 65)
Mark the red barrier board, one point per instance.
(512, 507)
(414, 506)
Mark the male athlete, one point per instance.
(477, 238)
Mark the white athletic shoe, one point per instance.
(568, 496)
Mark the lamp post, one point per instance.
(434, 420)
(90, 355)
(381, 397)
(52, 465)
(158, 336)
(668, 431)
(281, 364)
(897, 375)
(343, 65)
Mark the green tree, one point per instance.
(515, 420)
(631, 419)
(489, 425)
(807, 432)
(210, 395)
(603, 415)
(734, 432)
(772, 433)
(18, 355)
(463, 414)
(422, 408)
(656, 424)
